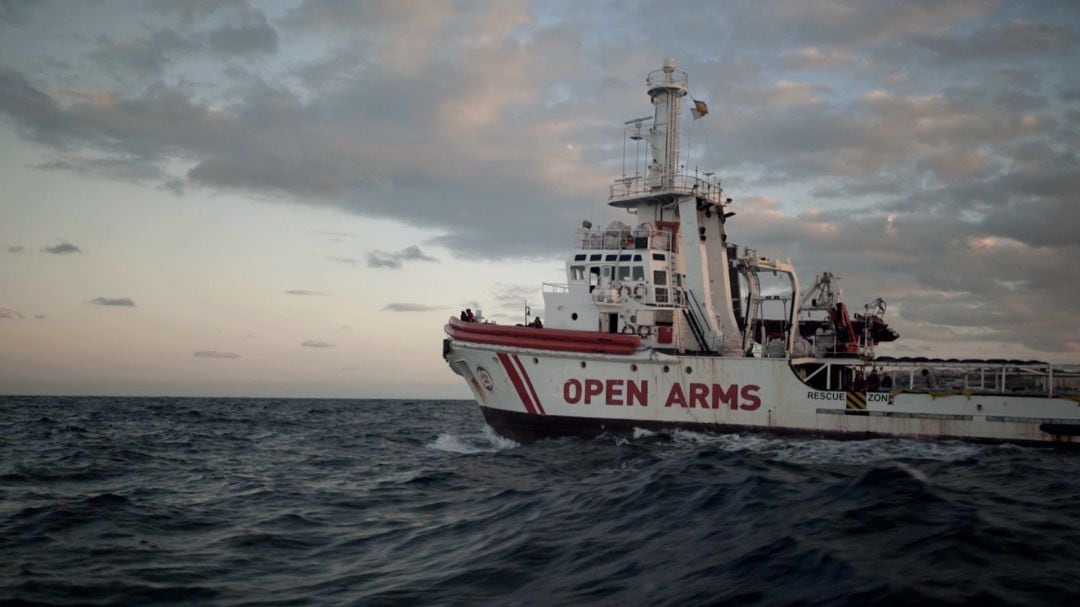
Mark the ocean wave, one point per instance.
(255, 501)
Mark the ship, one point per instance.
(665, 324)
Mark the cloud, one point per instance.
(118, 168)
(16, 249)
(255, 37)
(382, 259)
(880, 138)
(408, 307)
(311, 343)
(8, 313)
(17, 12)
(304, 292)
(811, 57)
(143, 56)
(1017, 38)
(64, 248)
(113, 301)
(214, 354)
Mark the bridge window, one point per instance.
(624, 273)
(639, 273)
(659, 277)
(577, 272)
(579, 257)
(658, 256)
(595, 257)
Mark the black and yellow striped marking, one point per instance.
(856, 401)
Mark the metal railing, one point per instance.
(633, 239)
(689, 185)
(943, 377)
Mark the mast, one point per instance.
(667, 87)
(695, 206)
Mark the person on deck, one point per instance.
(873, 381)
(536, 324)
(469, 317)
(886, 382)
(930, 379)
(859, 385)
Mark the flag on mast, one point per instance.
(699, 109)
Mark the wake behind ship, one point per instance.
(666, 324)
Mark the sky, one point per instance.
(289, 198)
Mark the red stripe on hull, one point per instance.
(528, 384)
(516, 380)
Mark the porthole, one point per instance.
(536, 361)
(633, 367)
(573, 316)
(582, 364)
(689, 370)
(666, 368)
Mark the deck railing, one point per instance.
(974, 377)
(687, 185)
(631, 239)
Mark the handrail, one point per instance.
(630, 239)
(969, 377)
(639, 185)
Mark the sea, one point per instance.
(212, 501)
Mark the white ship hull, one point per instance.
(665, 324)
(529, 394)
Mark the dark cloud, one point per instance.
(408, 307)
(134, 170)
(304, 292)
(64, 248)
(312, 343)
(16, 249)
(413, 253)
(382, 259)
(255, 37)
(192, 10)
(143, 56)
(214, 354)
(1018, 38)
(113, 301)
(17, 12)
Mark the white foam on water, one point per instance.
(642, 433)
(453, 444)
(499, 443)
(485, 441)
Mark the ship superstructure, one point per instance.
(663, 322)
